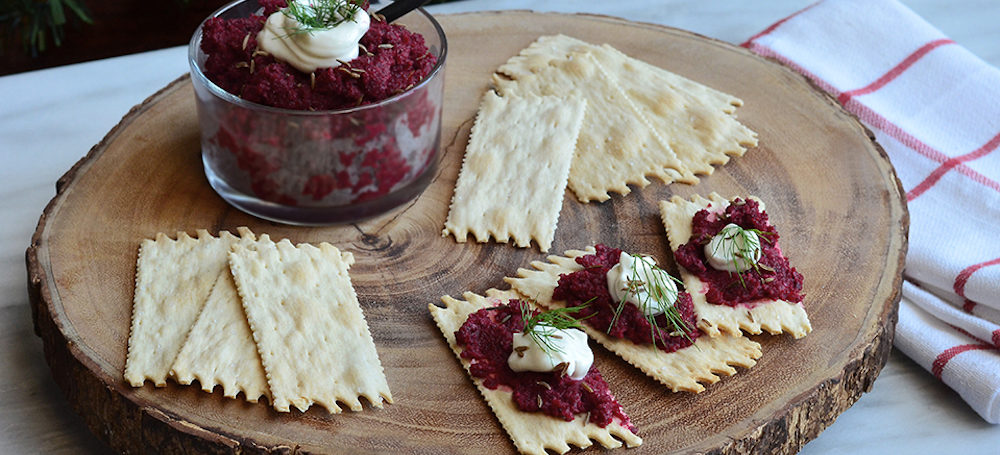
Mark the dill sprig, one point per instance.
(743, 248)
(651, 279)
(541, 326)
(321, 14)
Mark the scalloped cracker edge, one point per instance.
(773, 316)
(172, 283)
(308, 326)
(532, 433)
(644, 121)
(220, 349)
(515, 169)
(685, 370)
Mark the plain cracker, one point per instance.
(515, 169)
(308, 326)
(531, 432)
(220, 350)
(173, 280)
(682, 370)
(774, 316)
(615, 147)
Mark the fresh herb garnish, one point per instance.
(657, 292)
(321, 14)
(541, 326)
(743, 246)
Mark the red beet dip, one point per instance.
(589, 287)
(322, 161)
(397, 59)
(487, 341)
(726, 288)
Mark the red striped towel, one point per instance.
(935, 108)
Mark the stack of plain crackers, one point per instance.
(564, 112)
(263, 318)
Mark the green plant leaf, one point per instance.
(79, 10)
(58, 16)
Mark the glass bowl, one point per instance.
(320, 167)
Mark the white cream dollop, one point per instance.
(568, 345)
(308, 51)
(634, 277)
(726, 250)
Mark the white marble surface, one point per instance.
(49, 119)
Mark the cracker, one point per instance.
(311, 335)
(686, 369)
(616, 147)
(515, 169)
(697, 121)
(531, 432)
(220, 350)
(172, 282)
(774, 316)
(695, 126)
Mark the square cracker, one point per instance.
(615, 147)
(531, 432)
(172, 282)
(682, 370)
(219, 349)
(698, 122)
(306, 321)
(515, 169)
(774, 316)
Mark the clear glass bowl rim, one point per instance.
(196, 71)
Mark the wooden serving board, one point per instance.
(829, 188)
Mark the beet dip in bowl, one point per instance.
(313, 112)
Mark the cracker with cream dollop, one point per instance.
(172, 283)
(219, 349)
(657, 124)
(774, 316)
(686, 369)
(532, 432)
(307, 323)
(515, 169)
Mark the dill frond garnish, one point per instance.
(319, 15)
(542, 326)
(743, 246)
(656, 291)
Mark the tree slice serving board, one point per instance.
(829, 188)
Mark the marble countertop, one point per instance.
(51, 118)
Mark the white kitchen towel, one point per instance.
(935, 108)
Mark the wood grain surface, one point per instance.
(829, 189)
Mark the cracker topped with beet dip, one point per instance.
(729, 257)
(280, 58)
(649, 321)
(535, 371)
